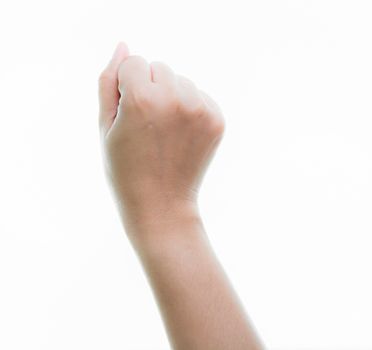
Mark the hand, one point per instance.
(159, 132)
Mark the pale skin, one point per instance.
(159, 132)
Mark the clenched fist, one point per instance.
(159, 132)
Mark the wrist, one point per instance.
(155, 224)
(171, 242)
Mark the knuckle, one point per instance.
(158, 64)
(193, 110)
(216, 126)
(141, 98)
(129, 63)
(159, 67)
(134, 58)
(172, 103)
(186, 82)
(197, 109)
(122, 68)
(166, 101)
(131, 60)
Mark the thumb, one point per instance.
(108, 87)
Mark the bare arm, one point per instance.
(159, 133)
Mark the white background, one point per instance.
(287, 201)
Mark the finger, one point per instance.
(108, 86)
(210, 102)
(188, 91)
(134, 72)
(215, 110)
(162, 74)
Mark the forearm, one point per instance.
(199, 308)
(159, 133)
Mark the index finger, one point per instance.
(134, 72)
